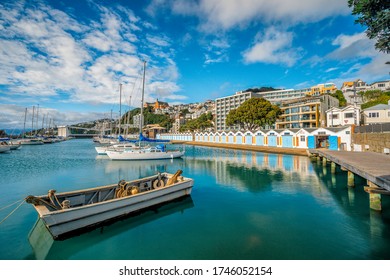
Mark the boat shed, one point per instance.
(249, 138)
(271, 139)
(259, 138)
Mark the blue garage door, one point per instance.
(333, 143)
(260, 140)
(287, 141)
(272, 141)
(311, 142)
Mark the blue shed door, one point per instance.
(287, 141)
(333, 143)
(272, 141)
(311, 142)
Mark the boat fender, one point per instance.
(134, 190)
(158, 184)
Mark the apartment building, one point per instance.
(277, 96)
(179, 122)
(223, 106)
(321, 89)
(306, 112)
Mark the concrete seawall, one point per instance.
(376, 142)
(272, 150)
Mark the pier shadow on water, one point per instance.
(354, 202)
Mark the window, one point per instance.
(348, 115)
(303, 138)
(334, 116)
(373, 115)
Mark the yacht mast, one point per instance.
(120, 107)
(24, 126)
(142, 102)
(32, 122)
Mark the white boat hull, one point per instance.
(64, 221)
(4, 148)
(138, 155)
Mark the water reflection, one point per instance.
(44, 247)
(255, 172)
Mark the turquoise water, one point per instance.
(244, 205)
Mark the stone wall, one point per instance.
(376, 141)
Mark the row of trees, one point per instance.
(374, 97)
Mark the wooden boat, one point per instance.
(44, 245)
(64, 213)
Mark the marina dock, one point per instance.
(373, 167)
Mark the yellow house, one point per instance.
(321, 89)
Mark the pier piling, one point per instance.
(333, 168)
(351, 179)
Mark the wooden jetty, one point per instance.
(374, 167)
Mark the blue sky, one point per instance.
(70, 56)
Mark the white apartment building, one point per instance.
(377, 114)
(343, 116)
(284, 94)
(223, 106)
(383, 86)
(179, 121)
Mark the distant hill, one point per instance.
(262, 89)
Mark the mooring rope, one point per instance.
(5, 207)
(11, 212)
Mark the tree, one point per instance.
(253, 114)
(340, 96)
(375, 15)
(204, 121)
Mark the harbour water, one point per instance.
(244, 205)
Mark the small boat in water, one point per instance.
(67, 212)
(4, 148)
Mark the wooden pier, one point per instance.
(373, 167)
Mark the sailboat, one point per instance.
(146, 152)
(119, 144)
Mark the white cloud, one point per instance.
(352, 47)
(350, 51)
(331, 69)
(217, 15)
(273, 47)
(45, 52)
